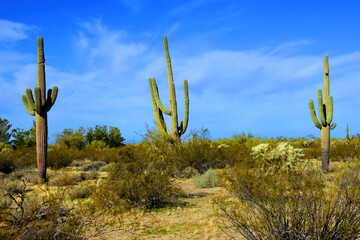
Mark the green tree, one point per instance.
(110, 136)
(22, 138)
(115, 138)
(101, 133)
(89, 136)
(72, 139)
(5, 135)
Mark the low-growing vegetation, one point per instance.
(243, 187)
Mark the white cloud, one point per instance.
(13, 31)
(108, 49)
(261, 91)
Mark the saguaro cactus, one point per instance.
(39, 107)
(326, 115)
(158, 107)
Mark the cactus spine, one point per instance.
(38, 107)
(158, 107)
(326, 115)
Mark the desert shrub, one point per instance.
(80, 163)
(28, 174)
(7, 160)
(4, 145)
(141, 179)
(82, 191)
(312, 149)
(60, 156)
(206, 180)
(106, 155)
(20, 158)
(159, 142)
(231, 152)
(344, 150)
(290, 203)
(106, 167)
(93, 166)
(63, 179)
(46, 215)
(198, 154)
(89, 175)
(188, 172)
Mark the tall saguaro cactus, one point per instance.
(158, 107)
(38, 107)
(326, 115)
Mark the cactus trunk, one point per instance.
(39, 106)
(325, 148)
(176, 129)
(41, 117)
(41, 145)
(326, 115)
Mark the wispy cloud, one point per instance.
(13, 31)
(242, 90)
(290, 47)
(107, 49)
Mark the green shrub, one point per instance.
(7, 160)
(60, 156)
(296, 203)
(20, 158)
(140, 179)
(312, 148)
(206, 180)
(93, 166)
(90, 175)
(82, 191)
(188, 172)
(63, 179)
(342, 150)
(28, 174)
(197, 154)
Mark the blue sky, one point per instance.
(251, 65)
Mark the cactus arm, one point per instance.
(51, 98)
(333, 126)
(168, 60)
(30, 98)
(329, 109)
(173, 109)
(184, 123)
(54, 94)
(27, 105)
(321, 108)
(313, 114)
(159, 118)
(157, 97)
